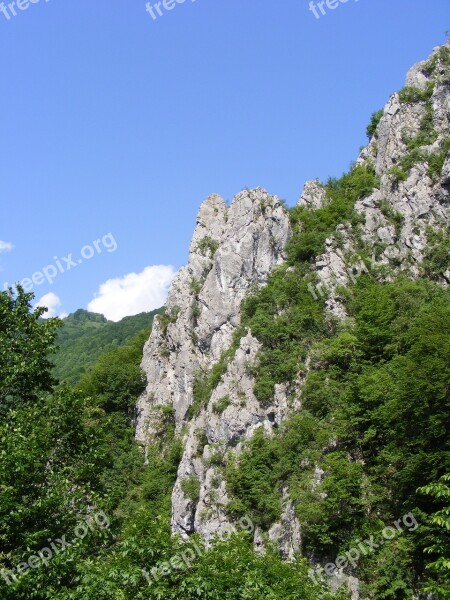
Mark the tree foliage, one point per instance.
(117, 380)
(439, 584)
(373, 427)
(26, 343)
(67, 453)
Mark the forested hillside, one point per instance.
(85, 336)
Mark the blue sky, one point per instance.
(117, 123)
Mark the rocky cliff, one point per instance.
(233, 252)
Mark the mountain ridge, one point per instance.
(209, 351)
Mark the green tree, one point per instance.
(374, 121)
(439, 568)
(51, 467)
(117, 380)
(26, 341)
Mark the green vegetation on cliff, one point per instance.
(69, 457)
(374, 424)
(375, 405)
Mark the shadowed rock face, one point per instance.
(236, 248)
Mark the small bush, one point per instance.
(202, 441)
(191, 488)
(411, 95)
(436, 161)
(167, 319)
(398, 173)
(208, 246)
(442, 57)
(196, 285)
(205, 383)
(221, 405)
(167, 418)
(427, 133)
(437, 258)
(374, 121)
(392, 216)
(195, 310)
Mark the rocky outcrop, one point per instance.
(233, 251)
(398, 215)
(314, 195)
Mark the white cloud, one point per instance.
(133, 293)
(52, 302)
(5, 246)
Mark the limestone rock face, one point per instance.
(396, 216)
(313, 196)
(446, 172)
(287, 533)
(233, 251)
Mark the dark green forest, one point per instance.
(68, 456)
